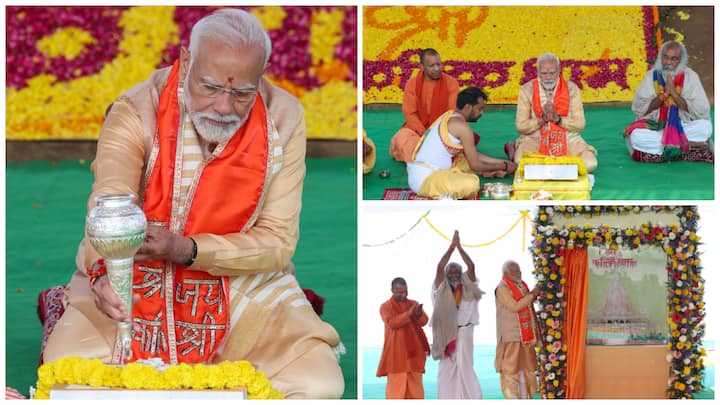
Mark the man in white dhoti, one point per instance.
(672, 111)
(455, 297)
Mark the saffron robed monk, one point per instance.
(426, 96)
(406, 347)
(216, 155)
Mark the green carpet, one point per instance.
(617, 177)
(45, 211)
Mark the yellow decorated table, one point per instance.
(575, 187)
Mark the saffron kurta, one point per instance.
(404, 141)
(403, 349)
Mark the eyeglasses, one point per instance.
(672, 58)
(550, 73)
(237, 95)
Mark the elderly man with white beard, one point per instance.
(672, 111)
(550, 106)
(455, 297)
(216, 156)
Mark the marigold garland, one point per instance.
(226, 375)
(686, 308)
(67, 64)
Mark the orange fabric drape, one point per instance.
(575, 325)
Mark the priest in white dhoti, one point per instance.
(455, 296)
(672, 111)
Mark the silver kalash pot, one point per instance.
(116, 228)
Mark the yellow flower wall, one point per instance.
(603, 49)
(319, 45)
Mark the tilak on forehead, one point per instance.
(230, 79)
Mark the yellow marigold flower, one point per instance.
(271, 17)
(325, 34)
(67, 42)
(556, 383)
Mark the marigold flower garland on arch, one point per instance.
(686, 310)
(222, 376)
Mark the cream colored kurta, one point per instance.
(272, 325)
(529, 129)
(514, 361)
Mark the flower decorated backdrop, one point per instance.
(604, 50)
(685, 286)
(65, 65)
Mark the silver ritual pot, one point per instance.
(116, 228)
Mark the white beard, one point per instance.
(548, 84)
(668, 69)
(214, 133)
(208, 131)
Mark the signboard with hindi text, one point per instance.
(627, 292)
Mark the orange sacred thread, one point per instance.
(418, 21)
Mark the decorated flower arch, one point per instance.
(685, 286)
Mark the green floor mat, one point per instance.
(45, 208)
(617, 177)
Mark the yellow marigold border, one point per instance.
(222, 376)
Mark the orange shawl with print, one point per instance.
(553, 137)
(525, 315)
(183, 313)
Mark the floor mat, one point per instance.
(618, 176)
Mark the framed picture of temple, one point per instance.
(626, 296)
(622, 307)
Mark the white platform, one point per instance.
(551, 172)
(84, 392)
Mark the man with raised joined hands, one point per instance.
(455, 297)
